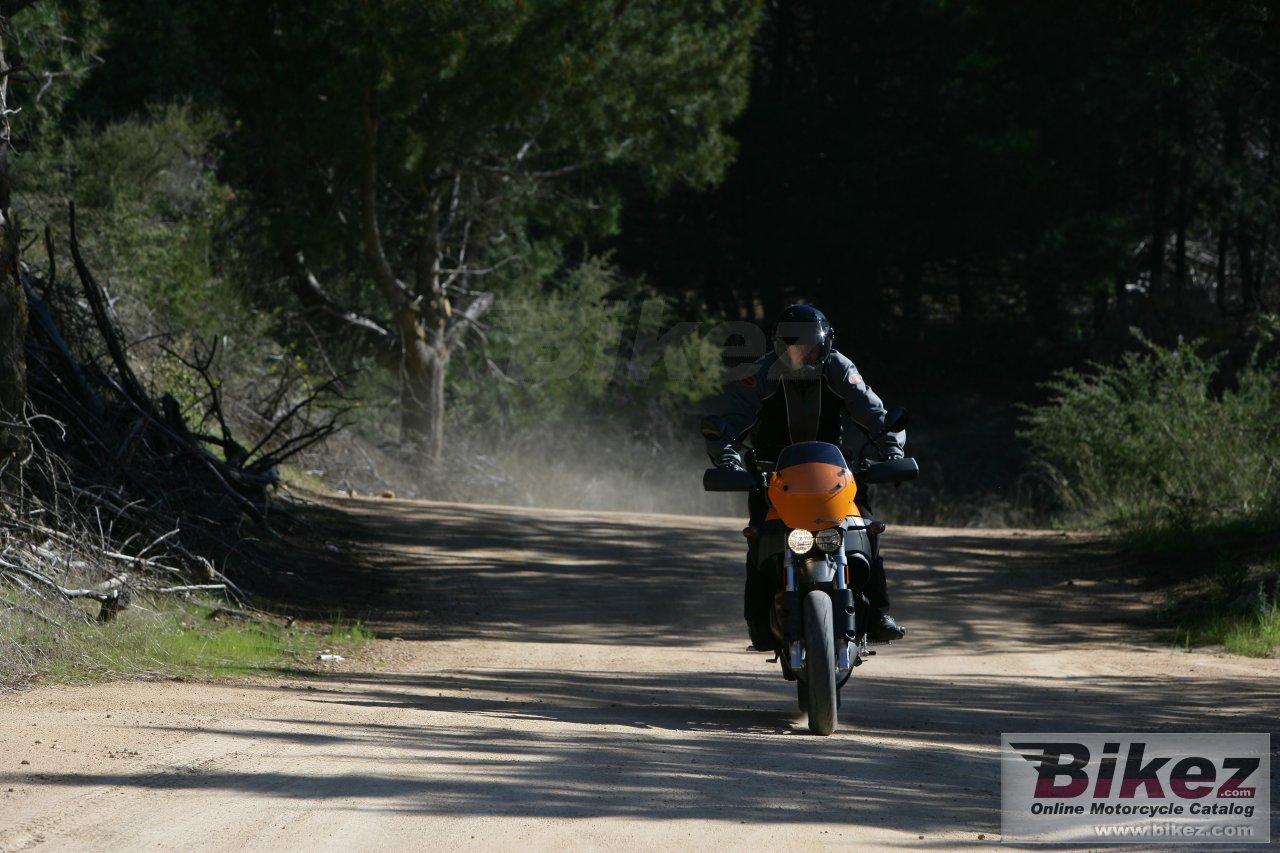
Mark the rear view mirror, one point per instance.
(896, 419)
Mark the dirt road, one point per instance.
(561, 681)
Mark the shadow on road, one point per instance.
(619, 736)
(435, 571)
(667, 746)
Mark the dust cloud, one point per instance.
(595, 464)
(577, 465)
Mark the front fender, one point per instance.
(817, 568)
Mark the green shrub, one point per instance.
(579, 343)
(1236, 607)
(1151, 442)
(149, 209)
(547, 347)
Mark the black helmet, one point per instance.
(803, 324)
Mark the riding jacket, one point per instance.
(773, 406)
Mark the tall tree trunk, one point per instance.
(1236, 225)
(1160, 204)
(13, 303)
(13, 330)
(423, 373)
(964, 287)
(913, 327)
(1220, 271)
(1265, 274)
(1108, 198)
(1044, 300)
(424, 317)
(1101, 310)
(1244, 253)
(1184, 195)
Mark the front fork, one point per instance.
(842, 613)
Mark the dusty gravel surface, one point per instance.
(571, 681)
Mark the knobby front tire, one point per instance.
(820, 663)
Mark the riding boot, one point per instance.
(757, 603)
(883, 627)
(760, 586)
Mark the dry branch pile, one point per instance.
(118, 493)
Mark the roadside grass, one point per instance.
(299, 478)
(1253, 634)
(1232, 595)
(162, 639)
(1178, 452)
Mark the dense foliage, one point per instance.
(416, 149)
(1167, 437)
(516, 229)
(987, 191)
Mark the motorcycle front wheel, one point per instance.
(820, 663)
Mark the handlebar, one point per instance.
(898, 470)
(728, 480)
(873, 474)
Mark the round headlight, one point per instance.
(800, 540)
(829, 539)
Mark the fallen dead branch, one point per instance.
(112, 601)
(217, 611)
(125, 486)
(200, 587)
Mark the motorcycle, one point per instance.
(822, 548)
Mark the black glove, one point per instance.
(890, 453)
(730, 459)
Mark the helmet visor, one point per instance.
(807, 332)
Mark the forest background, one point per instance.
(517, 243)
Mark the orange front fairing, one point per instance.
(812, 487)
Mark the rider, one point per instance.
(802, 391)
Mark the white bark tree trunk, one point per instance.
(425, 320)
